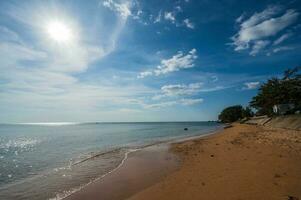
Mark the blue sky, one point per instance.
(138, 60)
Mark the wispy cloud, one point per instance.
(173, 64)
(190, 102)
(158, 18)
(160, 105)
(282, 38)
(185, 90)
(282, 48)
(181, 89)
(240, 18)
(184, 102)
(255, 32)
(123, 9)
(145, 74)
(188, 23)
(170, 17)
(258, 46)
(251, 85)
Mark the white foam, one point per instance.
(65, 194)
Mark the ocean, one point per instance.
(52, 160)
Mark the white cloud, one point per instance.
(173, 64)
(258, 46)
(261, 26)
(258, 18)
(282, 38)
(170, 17)
(138, 14)
(251, 85)
(283, 48)
(177, 62)
(188, 23)
(181, 89)
(160, 105)
(240, 18)
(189, 102)
(184, 102)
(158, 18)
(173, 92)
(123, 9)
(178, 8)
(145, 74)
(126, 9)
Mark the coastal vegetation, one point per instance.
(234, 113)
(284, 90)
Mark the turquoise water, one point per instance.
(49, 161)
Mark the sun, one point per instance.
(59, 32)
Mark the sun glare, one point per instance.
(59, 31)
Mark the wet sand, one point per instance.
(140, 170)
(241, 162)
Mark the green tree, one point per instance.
(278, 91)
(247, 112)
(231, 114)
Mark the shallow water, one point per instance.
(44, 161)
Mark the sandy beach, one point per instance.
(240, 162)
(140, 170)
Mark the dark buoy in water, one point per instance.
(185, 129)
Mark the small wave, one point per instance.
(96, 155)
(65, 194)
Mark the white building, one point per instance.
(282, 109)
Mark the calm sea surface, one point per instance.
(50, 161)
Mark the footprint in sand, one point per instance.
(292, 198)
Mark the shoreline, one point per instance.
(166, 144)
(140, 169)
(241, 162)
(160, 147)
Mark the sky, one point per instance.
(140, 60)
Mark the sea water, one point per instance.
(53, 160)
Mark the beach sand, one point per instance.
(237, 163)
(241, 162)
(140, 170)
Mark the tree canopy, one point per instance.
(279, 91)
(285, 90)
(234, 113)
